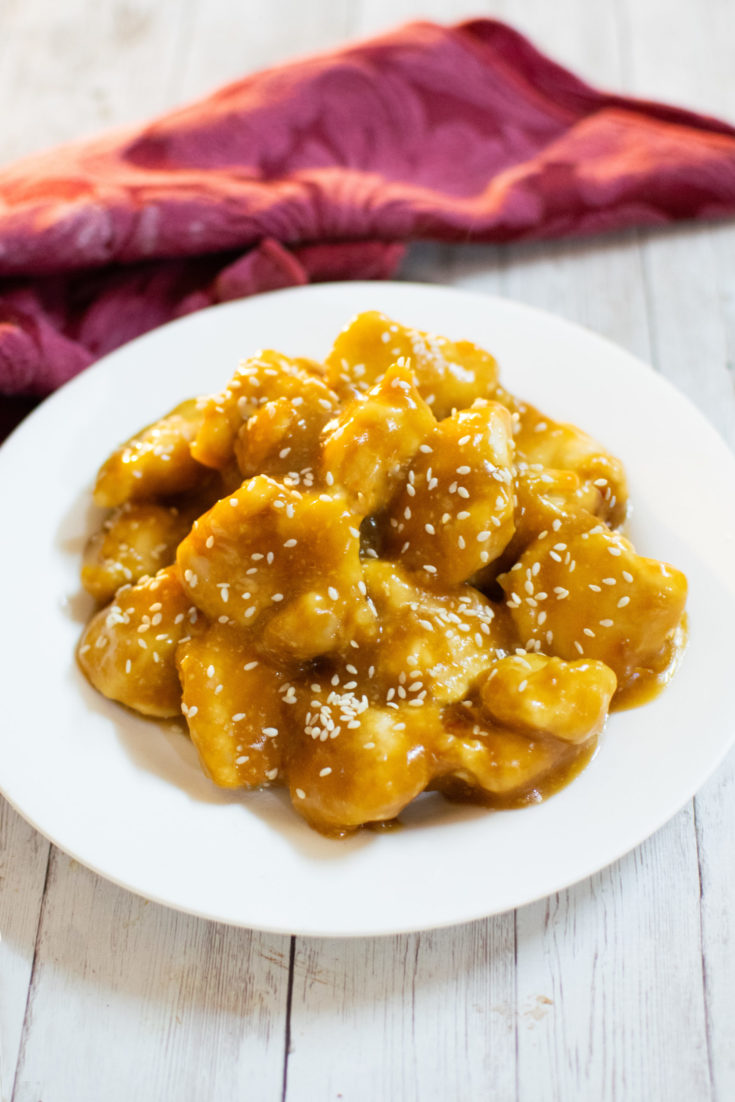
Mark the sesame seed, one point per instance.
(332, 592)
(326, 770)
(590, 632)
(300, 793)
(606, 623)
(627, 576)
(623, 602)
(238, 716)
(277, 597)
(192, 711)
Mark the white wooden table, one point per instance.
(620, 988)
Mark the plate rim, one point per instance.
(57, 399)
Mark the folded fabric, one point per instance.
(322, 169)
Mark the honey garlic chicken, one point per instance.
(454, 513)
(128, 649)
(281, 565)
(233, 703)
(450, 374)
(268, 377)
(138, 538)
(373, 577)
(155, 462)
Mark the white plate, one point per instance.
(126, 797)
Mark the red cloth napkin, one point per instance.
(321, 169)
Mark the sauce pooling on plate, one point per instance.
(375, 576)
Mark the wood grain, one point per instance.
(132, 1000)
(24, 858)
(610, 997)
(405, 1017)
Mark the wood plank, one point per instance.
(690, 341)
(680, 53)
(23, 862)
(423, 1016)
(77, 68)
(612, 1029)
(691, 275)
(715, 821)
(226, 41)
(577, 949)
(689, 270)
(608, 982)
(132, 1000)
(597, 284)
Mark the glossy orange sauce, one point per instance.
(373, 577)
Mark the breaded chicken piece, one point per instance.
(156, 462)
(450, 374)
(128, 649)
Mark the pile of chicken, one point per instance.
(375, 576)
